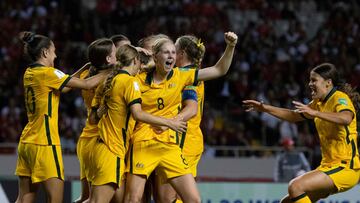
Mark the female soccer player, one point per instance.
(122, 97)
(189, 54)
(332, 109)
(101, 54)
(39, 152)
(161, 94)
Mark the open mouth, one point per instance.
(313, 91)
(168, 64)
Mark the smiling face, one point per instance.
(165, 57)
(319, 86)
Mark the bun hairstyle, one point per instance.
(97, 52)
(34, 44)
(193, 47)
(329, 71)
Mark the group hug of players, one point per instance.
(144, 109)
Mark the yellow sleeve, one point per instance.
(56, 79)
(190, 76)
(132, 93)
(343, 103)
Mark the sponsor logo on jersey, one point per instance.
(171, 85)
(139, 165)
(59, 73)
(343, 101)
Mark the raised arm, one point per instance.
(78, 72)
(281, 113)
(88, 83)
(223, 64)
(77, 75)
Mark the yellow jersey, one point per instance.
(116, 126)
(338, 142)
(42, 87)
(192, 142)
(89, 130)
(163, 99)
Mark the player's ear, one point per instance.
(45, 52)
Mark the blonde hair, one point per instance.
(159, 43)
(193, 47)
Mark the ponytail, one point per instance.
(34, 45)
(352, 93)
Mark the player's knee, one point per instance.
(192, 199)
(132, 198)
(295, 186)
(165, 198)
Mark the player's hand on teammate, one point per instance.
(145, 51)
(230, 38)
(177, 125)
(101, 110)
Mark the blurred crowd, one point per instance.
(279, 41)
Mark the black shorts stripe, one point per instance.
(298, 197)
(353, 149)
(131, 159)
(56, 161)
(182, 140)
(117, 170)
(335, 170)
(177, 137)
(47, 129)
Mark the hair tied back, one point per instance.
(199, 43)
(30, 38)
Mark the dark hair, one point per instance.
(144, 59)
(118, 38)
(34, 44)
(193, 47)
(97, 52)
(328, 71)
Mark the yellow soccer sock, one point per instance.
(301, 199)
